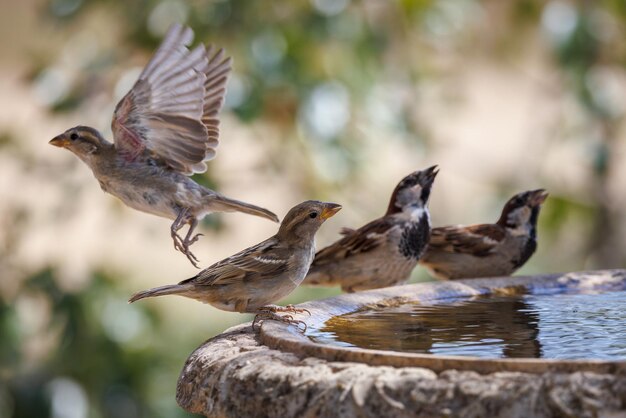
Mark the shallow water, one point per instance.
(557, 326)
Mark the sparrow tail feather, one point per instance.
(222, 203)
(171, 289)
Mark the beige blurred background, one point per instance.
(329, 99)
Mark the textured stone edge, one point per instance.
(234, 375)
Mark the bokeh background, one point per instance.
(329, 99)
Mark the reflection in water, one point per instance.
(550, 326)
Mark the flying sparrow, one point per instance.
(385, 251)
(487, 250)
(164, 129)
(251, 280)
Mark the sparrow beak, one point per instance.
(429, 176)
(59, 141)
(538, 197)
(329, 210)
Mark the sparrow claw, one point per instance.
(183, 245)
(287, 308)
(192, 258)
(194, 239)
(269, 313)
(298, 322)
(255, 321)
(291, 308)
(178, 241)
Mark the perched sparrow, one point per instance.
(251, 280)
(164, 129)
(486, 250)
(385, 251)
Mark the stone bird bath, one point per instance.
(280, 372)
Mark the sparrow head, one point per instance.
(522, 210)
(303, 220)
(82, 141)
(412, 191)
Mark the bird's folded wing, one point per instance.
(357, 241)
(256, 263)
(172, 109)
(478, 240)
(346, 231)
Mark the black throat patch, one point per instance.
(415, 237)
(527, 251)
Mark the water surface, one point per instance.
(557, 326)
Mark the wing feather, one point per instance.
(172, 109)
(172, 47)
(255, 263)
(356, 241)
(478, 240)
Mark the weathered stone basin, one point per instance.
(281, 372)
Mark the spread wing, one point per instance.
(171, 111)
(263, 260)
(478, 240)
(357, 241)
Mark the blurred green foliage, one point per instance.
(100, 352)
(119, 359)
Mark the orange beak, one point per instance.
(329, 210)
(59, 141)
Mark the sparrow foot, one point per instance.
(188, 242)
(287, 308)
(191, 256)
(291, 308)
(183, 245)
(268, 313)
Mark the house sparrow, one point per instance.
(486, 250)
(385, 251)
(251, 280)
(164, 129)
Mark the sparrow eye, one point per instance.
(74, 136)
(313, 215)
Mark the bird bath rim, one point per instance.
(287, 338)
